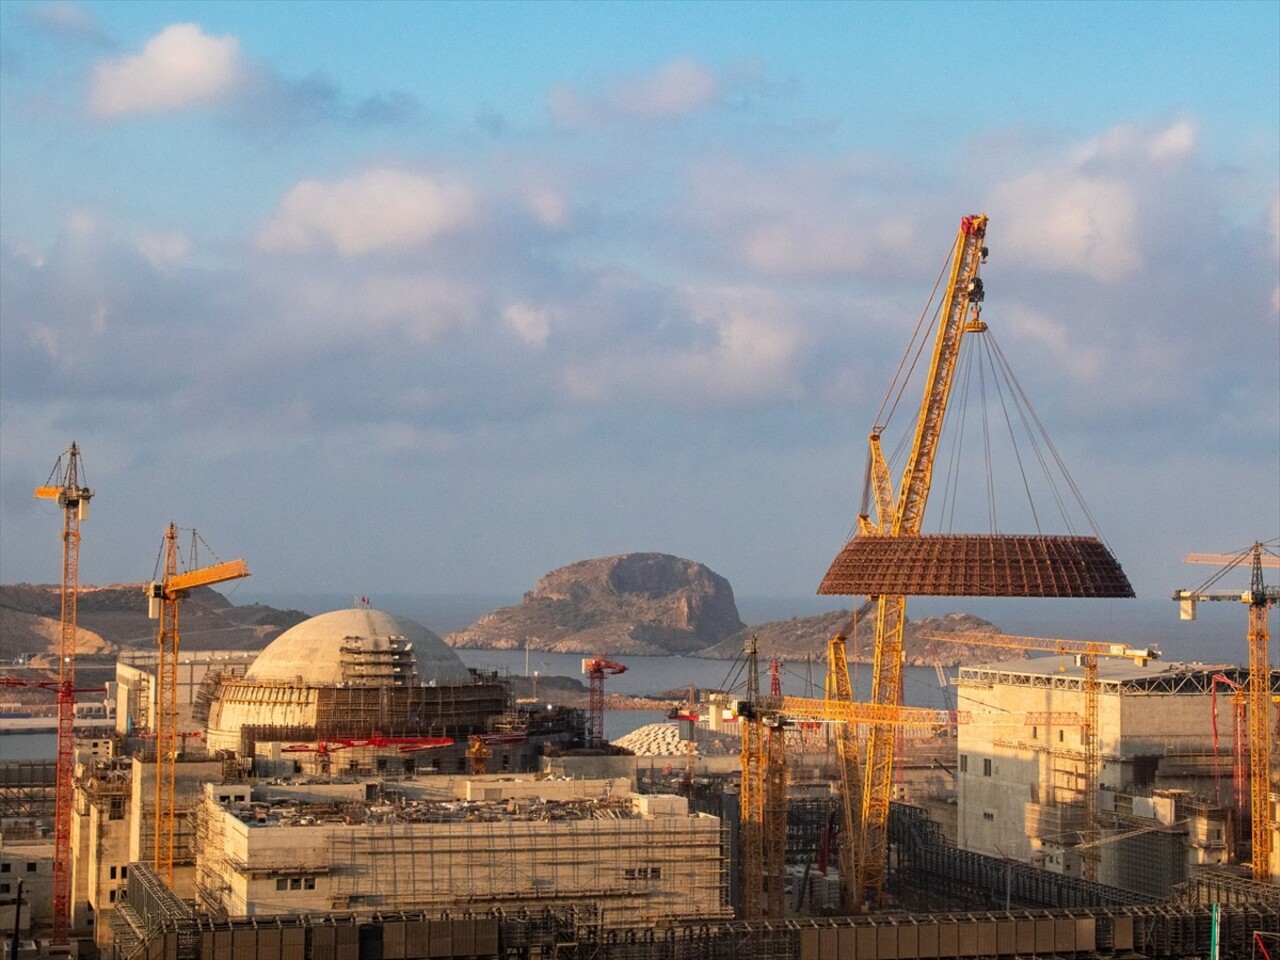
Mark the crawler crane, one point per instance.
(1260, 599)
(1088, 651)
(889, 558)
(64, 486)
(164, 596)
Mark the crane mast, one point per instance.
(64, 487)
(961, 314)
(839, 690)
(1260, 599)
(763, 721)
(165, 596)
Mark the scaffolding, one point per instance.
(27, 789)
(635, 869)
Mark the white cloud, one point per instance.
(548, 206)
(1067, 220)
(164, 247)
(1129, 142)
(180, 67)
(750, 358)
(381, 209)
(675, 89)
(531, 324)
(1176, 141)
(1054, 345)
(341, 306)
(67, 20)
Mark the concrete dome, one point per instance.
(311, 652)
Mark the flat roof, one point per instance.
(1154, 676)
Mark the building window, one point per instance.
(112, 873)
(1035, 733)
(116, 809)
(295, 883)
(4, 888)
(988, 815)
(964, 763)
(308, 883)
(986, 766)
(1062, 735)
(124, 873)
(4, 868)
(31, 867)
(282, 883)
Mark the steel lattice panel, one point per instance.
(976, 566)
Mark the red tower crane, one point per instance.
(64, 487)
(1239, 743)
(595, 669)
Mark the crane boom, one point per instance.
(960, 314)
(207, 576)
(1231, 559)
(73, 498)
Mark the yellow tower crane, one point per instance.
(763, 720)
(164, 596)
(1088, 651)
(64, 486)
(1260, 599)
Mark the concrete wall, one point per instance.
(31, 863)
(190, 779)
(1005, 766)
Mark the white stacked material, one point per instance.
(653, 740)
(663, 740)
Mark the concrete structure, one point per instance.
(446, 843)
(1020, 770)
(347, 694)
(29, 862)
(350, 674)
(135, 687)
(114, 825)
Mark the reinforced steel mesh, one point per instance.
(976, 566)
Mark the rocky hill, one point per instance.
(637, 604)
(653, 604)
(115, 616)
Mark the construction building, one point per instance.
(136, 687)
(352, 693)
(449, 843)
(1164, 795)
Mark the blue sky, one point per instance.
(412, 297)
